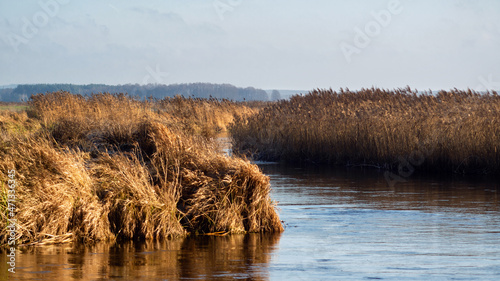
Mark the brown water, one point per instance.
(340, 225)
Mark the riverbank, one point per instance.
(110, 167)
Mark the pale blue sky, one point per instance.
(266, 44)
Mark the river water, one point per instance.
(341, 224)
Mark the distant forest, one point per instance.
(200, 90)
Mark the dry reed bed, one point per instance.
(455, 130)
(207, 117)
(109, 166)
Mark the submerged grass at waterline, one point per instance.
(451, 131)
(108, 166)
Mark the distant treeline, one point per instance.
(199, 90)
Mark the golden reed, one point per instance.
(457, 131)
(108, 166)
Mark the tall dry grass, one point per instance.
(208, 117)
(108, 166)
(455, 130)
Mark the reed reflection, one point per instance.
(368, 187)
(199, 257)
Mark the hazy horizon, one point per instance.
(292, 45)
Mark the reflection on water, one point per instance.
(202, 258)
(369, 188)
(351, 225)
(341, 224)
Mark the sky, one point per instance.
(292, 44)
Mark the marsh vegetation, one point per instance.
(451, 131)
(108, 167)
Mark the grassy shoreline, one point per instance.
(13, 106)
(109, 167)
(452, 131)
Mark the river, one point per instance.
(341, 224)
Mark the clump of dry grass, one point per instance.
(16, 123)
(450, 131)
(108, 167)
